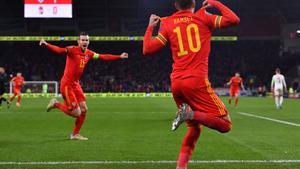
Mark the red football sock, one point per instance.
(79, 122)
(19, 99)
(213, 122)
(63, 108)
(187, 147)
(236, 101)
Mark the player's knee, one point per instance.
(226, 128)
(76, 112)
(84, 109)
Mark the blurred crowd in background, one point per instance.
(255, 60)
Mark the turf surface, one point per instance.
(138, 129)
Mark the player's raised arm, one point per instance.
(150, 45)
(53, 48)
(109, 57)
(228, 18)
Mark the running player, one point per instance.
(18, 82)
(189, 35)
(74, 99)
(278, 86)
(235, 83)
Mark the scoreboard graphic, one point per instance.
(48, 8)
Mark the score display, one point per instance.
(48, 8)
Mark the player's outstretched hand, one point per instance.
(209, 3)
(124, 55)
(43, 42)
(154, 19)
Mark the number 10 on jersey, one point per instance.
(193, 47)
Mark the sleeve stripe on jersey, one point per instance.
(218, 22)
(161, 39)
(162, 36)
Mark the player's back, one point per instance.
(189, 35)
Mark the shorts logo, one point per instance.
(73, 104)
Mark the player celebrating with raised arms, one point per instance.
(189, 35)
(74, 99)
(18, 82)
(235, 83)
(278, 86)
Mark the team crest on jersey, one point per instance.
(41, 1)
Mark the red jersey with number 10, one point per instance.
(189, 35)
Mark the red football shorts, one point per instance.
(234, 92)
(198, 93)
(17, 91)
(72, 95)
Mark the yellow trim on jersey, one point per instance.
(162, 36)
(160, 40)
(214, 98)
(218, 22)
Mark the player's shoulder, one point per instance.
(72, 47)
(90, 52)
(164, 20)
(202, 12)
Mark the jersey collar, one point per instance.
(182, 12)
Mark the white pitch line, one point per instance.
(151, 162)
(270, 119)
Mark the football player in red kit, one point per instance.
(18, 82)
(235, 83)
(76, 59)
(188, 33)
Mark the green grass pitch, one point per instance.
(138, 129)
